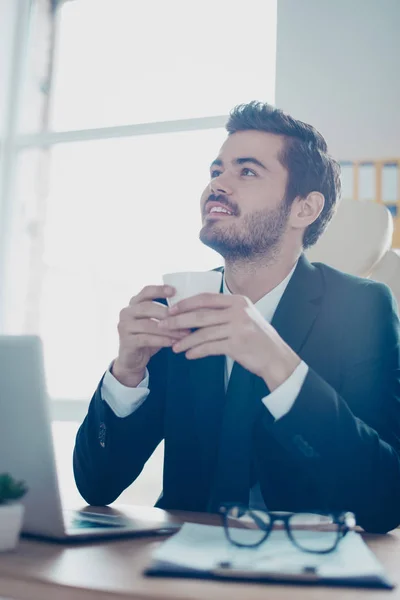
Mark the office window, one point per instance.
(140, 93)
(107, 152)
(113, 111)
(120, 213)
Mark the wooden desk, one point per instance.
(113, 570)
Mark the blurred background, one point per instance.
(110, 113)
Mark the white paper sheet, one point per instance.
(205, 547)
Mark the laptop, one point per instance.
(27, 453)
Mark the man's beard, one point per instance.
(257, 236)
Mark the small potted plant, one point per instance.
(11, 511)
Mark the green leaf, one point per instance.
(10, 488)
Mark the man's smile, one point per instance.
(217, 210)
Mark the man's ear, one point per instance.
(305, 211)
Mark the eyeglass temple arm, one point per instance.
(259, 522)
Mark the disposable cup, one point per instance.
(191, 283)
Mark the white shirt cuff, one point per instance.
(281, 400)
(123, 400)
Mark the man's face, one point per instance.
(248, 180)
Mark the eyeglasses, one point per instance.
(310, 532)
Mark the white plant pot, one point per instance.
(11, 518)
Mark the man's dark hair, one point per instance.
(305, 156)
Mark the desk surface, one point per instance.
(113, 570)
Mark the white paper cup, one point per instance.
(191, 283)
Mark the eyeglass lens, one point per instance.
(314, 532)
(247, 527)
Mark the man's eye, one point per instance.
(215, 173)
(246, 171)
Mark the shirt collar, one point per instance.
(268, 304)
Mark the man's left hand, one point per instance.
(231, 325)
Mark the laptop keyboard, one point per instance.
(85, 520)
(85, 524)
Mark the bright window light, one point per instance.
(112, 215)
(121, 212)
(94, 220)
(129, 61)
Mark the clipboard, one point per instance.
(202, 552)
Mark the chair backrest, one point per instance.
(388, 271)
(357, 238)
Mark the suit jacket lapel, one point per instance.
(299, 305)
(297, 310)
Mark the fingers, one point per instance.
(144, 340)
(144, 310)
(198, 318)
(147, 326)
(207, 300)
(201, 336)
(138, 322)
(151, 292)
(139, 336)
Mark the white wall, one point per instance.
(338, 68)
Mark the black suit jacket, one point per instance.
(337, 448)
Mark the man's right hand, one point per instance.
(140, 337)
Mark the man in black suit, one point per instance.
(281, 391)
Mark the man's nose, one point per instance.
(220, 185)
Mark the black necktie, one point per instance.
(232, 474)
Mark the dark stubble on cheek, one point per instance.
(256, 235)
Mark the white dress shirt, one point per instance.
(123, 400)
